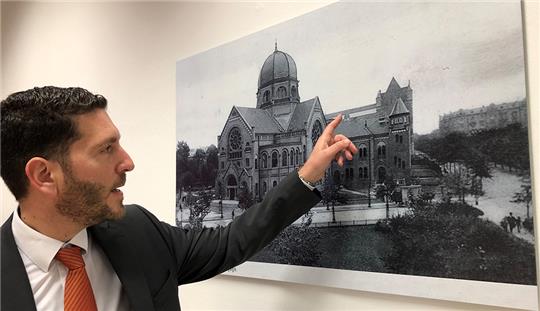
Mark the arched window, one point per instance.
(297, 156)
(256, 164)
(316, 131)
(284, 157)
(293, 91)
(264, 160)
(401, 139)
(362, 151)
(235, 143)
(381, 150)
(366, 173)
(274, 184)
(281, 92)
(266, 97)
(337, 177)
(381, 175)
(256, 189)
(349, 173)
(291, 154)
(264, 188)
(360, 173)
(274, 158)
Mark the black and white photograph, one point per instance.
(433, 96)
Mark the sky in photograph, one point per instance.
(455, 55)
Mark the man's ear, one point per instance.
(43, 175)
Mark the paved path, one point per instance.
(345, 215)
(499, 191)
(495, 204)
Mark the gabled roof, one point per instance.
(393, 85)
(352, 111)
(399, 108)
(259, 119)
(355, 127)
(301, 114)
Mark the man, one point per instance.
(72, 245)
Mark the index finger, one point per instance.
(330, 127)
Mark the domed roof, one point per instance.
(278, 65)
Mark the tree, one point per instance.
(327, 192)
(476, 188)
(524, 196)
(298, 245)
(199, 206)
(245, 198)
(182, 169)
(212, 163)
(450, 239)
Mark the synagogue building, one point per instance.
(260, 145)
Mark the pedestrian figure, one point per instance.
(504, 224)
(232, 214)
(518, 224)
(511, 222)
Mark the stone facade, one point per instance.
(383, 133)
(260, 146)
(485, 117)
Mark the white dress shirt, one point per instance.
(48, 276)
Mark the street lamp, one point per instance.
(220, 192)
(386, 195)
(369, 162)
(333, 193)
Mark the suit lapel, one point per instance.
(123, 258)
(16, 293)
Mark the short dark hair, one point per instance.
(39, 123)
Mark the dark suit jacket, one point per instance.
(153, 258)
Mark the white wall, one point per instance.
(127, 52)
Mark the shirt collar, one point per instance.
(39, 248)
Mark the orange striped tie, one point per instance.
(78, 295)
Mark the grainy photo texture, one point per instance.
(432, 94)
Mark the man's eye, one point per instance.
(108, 149)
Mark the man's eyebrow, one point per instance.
(109, 140)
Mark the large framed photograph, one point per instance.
(437, 202)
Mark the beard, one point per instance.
(85, 202)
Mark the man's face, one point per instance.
(96, 167)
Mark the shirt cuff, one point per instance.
(310, 187)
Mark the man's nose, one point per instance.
(127, 163)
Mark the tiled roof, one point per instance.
(301, 114)
(260, 120)
(357, 126)
(351, 111)
(393, 85)
(399, 107)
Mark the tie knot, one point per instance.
(71, 257)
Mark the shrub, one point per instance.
(449, 240)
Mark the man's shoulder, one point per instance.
(134, 215)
